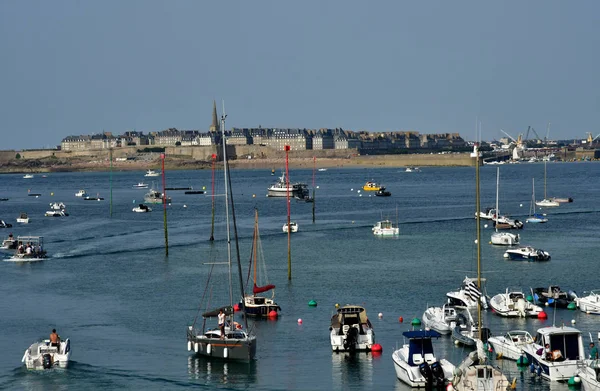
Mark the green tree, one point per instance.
(18, 156)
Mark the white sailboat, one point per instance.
(547, 202)
(502, 238)
(534, 217)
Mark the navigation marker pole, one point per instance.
(289, 230)
(164, 195)
(110, 157)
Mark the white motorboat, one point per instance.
(512, 304)
(351, 330)
(511, 344)
(29, 249)
(534, 217)
(412, 169)
(502, 238)
(293, 227)
(152, 173)
(140, 185)
(488, 214)
(23, 218)
(57, 209)
(590, 304)
(441, 319)
(557, 361)
(527, 253)
(385, 228)
(416, 364)
(155, 197)
(141, 208)
(281, 189)
(10, 243)
(81, 193)
(42, 355)
(589, 374)
(467, 295)
(27, 176)
(322, 169)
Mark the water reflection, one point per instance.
(348, 370)
(215, 371)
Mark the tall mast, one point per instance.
(497, 191)
(545, 197)
(225, 175)
(255, 242)
(477, 206)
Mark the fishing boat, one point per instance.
(293, 227)
(502, 238)
(156, 197)
(527, 253)
(4, 224)
(554, 296)
(27, 176)
(232, 342)
(23, 218)
(441, 319)
(43, 355)
(351, 330)
(253, 304)
(513, 304)
(10, 243)
(555, 352)
(140, 185)
(29, 249)
(371, 186)
(468, 295)
(81, 193)
(385, 228)
(57, 209)
(534, 217)
(141, 208)
(511, 344)
(590, 304)
(151, 173)
(416, 364)
(546, 202)
(282, 187)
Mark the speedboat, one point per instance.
(382, 192)
(547, 203)
(42, 355)
(152, 173)
(511, 344)
(140, 185)
(441, 319)
(27, 176)
(554, 296)
(23, 218)
(57, 209)
(417, 366)
(293, 227)
(590, 304)
(371, 186)
(141, 208)
(4, 224)
(505, 239)
(10, 243)
(467, 295)
(589, 374)
(557, 362)
(155, 197)
(527, 253)
(385, 228)
(281, 189)
(351, 330)
(29, 249)
(512, 304)
(81, 193)
(488, 214)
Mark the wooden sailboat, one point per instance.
(253, 304)
(546, 201)
(233, 342)
(534, 217)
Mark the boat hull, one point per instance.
(41, 356)
(363, 343)
(243, 349)
(256, 306)
(412, 375)
(550, 370)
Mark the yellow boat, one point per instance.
(371, 186)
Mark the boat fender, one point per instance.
(189, 346)
(225, 353)
(208, 349)
(196, 347)
(532, 367)
(539, 370)
(47, 361)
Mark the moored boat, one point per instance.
(27, 176)
(281, 189)
(441, 319)
(155, 197)
(292, 228)
(527, 253)
(511, 344)
(140, 185)
(590, 304)
(4, 224)
(468, 295)
(382, 192)
(10, 243)
(385, 228)
(44, 355)
(502, 238)
(141, 208)
(513, 304)
(23, 218)
(81, 193)
(371, 186)
(554, 296)
(57, 209)
(589, 373)
(351, 330)
(152, 173)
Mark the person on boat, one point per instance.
(548, 352)
(54, 338)
(593, 351)
(221, 318)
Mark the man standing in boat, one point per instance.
(54, 338)
(221, 318)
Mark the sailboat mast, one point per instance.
(477, 206)
(289, 228)
(212, 222)
(497, 192)
(225, 175)
(545, 197)
(255, 242)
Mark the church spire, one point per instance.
(215, 119)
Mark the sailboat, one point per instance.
(502, 238)
(546, 201)
(534, 217)
(475, 372)
(235, 342)
(252, 304)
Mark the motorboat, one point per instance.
(4, 224)
(527, 253)
(554, 296)
(322, 169)
(81, 193)
(42, 355)
(293, 227)
(57, 209)
(476, 373)
(555, 352)
(505, 222)
(512, 304)
(382, 192)
(511, 344)
(371, 186)
(416, 364)
(97, 198)
(27, 176)
(29, 249)
(502, 238)
(140, 185)
(351, 330)
(281, 188)
(562, 200)
(488, 214)
(589, 374)
(441, 319)
(412, 169)
(141, 208)
(385, 228)
(467, 295)
(10, 243)
(590, 304)
(547, 203)
(155, 197)
(152, 173)
(23, 218)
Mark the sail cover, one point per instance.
(260, 289)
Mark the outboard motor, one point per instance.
(425, 370)
(572, 295)
(438, 373)
(351, 339)
(47, 361)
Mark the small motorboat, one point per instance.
(10, 243)
(527, 253)
(554, 296)
(29, 249)
(81, 193)
(412, 169)
(382, 192)
(23, 218)
(140, 185)
(590, 304)
(152, 173)
(505, 239)
(512, 304)
(511, 344)
(351, 330)
(4, 224)
(441, 319)
(57, 209)
(42, 355)
(385, 228)
(547, 203)
(488, 214)
(97, 198)
(141, 208)
(293, 227)
(371, 186)
(505, 222)
(417, 366)
(322, 169)
(155, 197)
(27, 176)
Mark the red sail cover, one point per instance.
(261, 289)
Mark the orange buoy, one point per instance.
(400, 319)
(376, 348)
(542, 315)
(272, 314)
(236, 307)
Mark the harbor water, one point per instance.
(108, 286)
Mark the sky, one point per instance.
(83, 67)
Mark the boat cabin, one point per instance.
(420, 348)
(565, 343)
(350, 316)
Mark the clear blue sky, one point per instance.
(80, 67)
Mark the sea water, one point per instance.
(109, 287)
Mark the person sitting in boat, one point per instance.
(221, 318)
(20, 249)
(54, 338)
(548, 352)
(28, 249)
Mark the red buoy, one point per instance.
(542, 315)
(272, 314)
(400, 319)
(376, 348)
(236, 307)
